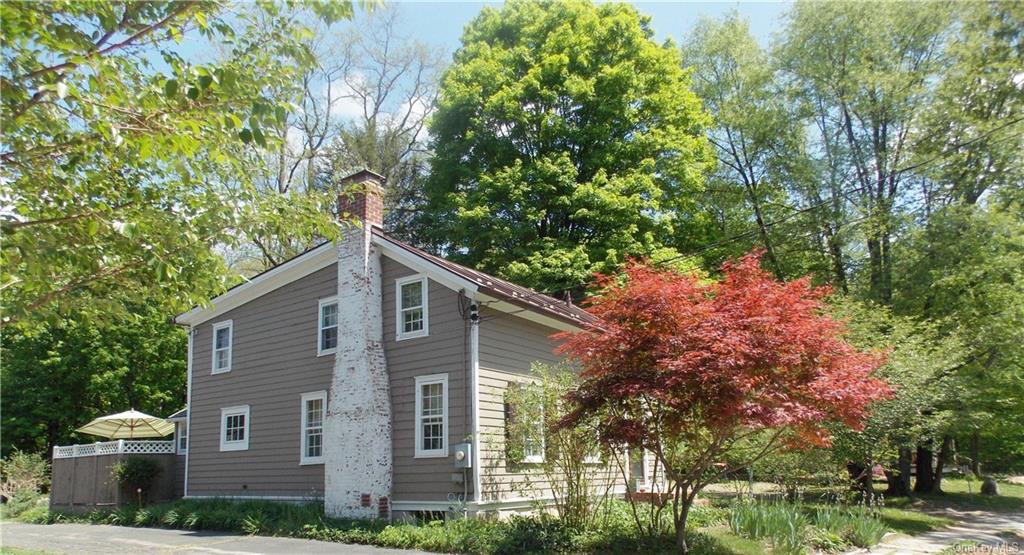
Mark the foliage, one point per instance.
(565, 140)
(23, 472)
(56, 377)
(785, 525)
(124, 162)
(137, 473)
(795, 469)
(580, 485)
(689, 370)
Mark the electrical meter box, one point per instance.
(464, 455)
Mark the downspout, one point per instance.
(474, 362)
(188, 408)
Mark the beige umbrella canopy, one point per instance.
(129, 424)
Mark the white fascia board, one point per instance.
(296, 268)
(526, 313)
(421, 265)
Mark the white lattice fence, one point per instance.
(119, 447)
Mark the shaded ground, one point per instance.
(95, 539)
(996, 532)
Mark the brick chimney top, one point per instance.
(361, 197)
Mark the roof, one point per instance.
(180, 415)
(505, 290)
(507, 296)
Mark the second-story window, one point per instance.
(328, 327)
(411, 302)
(222, 339)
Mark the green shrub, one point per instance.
(136, 472)
(783, 524)
(866, 531)
(145, 517)
(826, 540)
(21, 473)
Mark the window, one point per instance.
(594, 455)
(411, 305)
(234, 428)
(222, 338)
(314, 406)
(432, 416)
(181, 434)
(328, 326)
(533, 443)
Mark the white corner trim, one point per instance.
(322, 395)
(242, 445)
(401, 335)
(188, 403)
(421, 381)
(320, 351)
(298, 267)
(474, 365)
(421, 265)
(230, 326)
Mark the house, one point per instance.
(366, 373)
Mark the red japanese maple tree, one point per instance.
(693, 370)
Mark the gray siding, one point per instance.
(445, 350)
(274, 362)
(509, 345)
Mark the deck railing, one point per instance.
(118, 447)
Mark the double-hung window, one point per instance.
(314, 407)
(432, 416)
(223, 336)
(533, 442)
(411, 307)
(328, 326)
(234, 428)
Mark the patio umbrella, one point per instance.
(130, 424)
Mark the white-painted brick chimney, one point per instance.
(357, 442)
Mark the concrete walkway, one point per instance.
(997, 532)
(101, 540)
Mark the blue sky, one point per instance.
(440, 23)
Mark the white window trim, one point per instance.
(235, 445)
(320, 351)
(399, 334)
(229, 324)
(303, 459)
(535, 459)
(182, 426)
(594, 458)
(421, 381)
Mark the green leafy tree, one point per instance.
(755, 134)
(565, 139)
(963, 273)
(124, 162)
(57, 377)
(865, 73)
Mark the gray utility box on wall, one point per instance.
(464, 455)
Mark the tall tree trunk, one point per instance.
(976, 454)
(945, 455)
(899, 480)
(925, 471)
(773, 260)
(838, 269)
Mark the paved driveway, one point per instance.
(97, 539)
(995, 532)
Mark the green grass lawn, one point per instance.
(959, 494)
